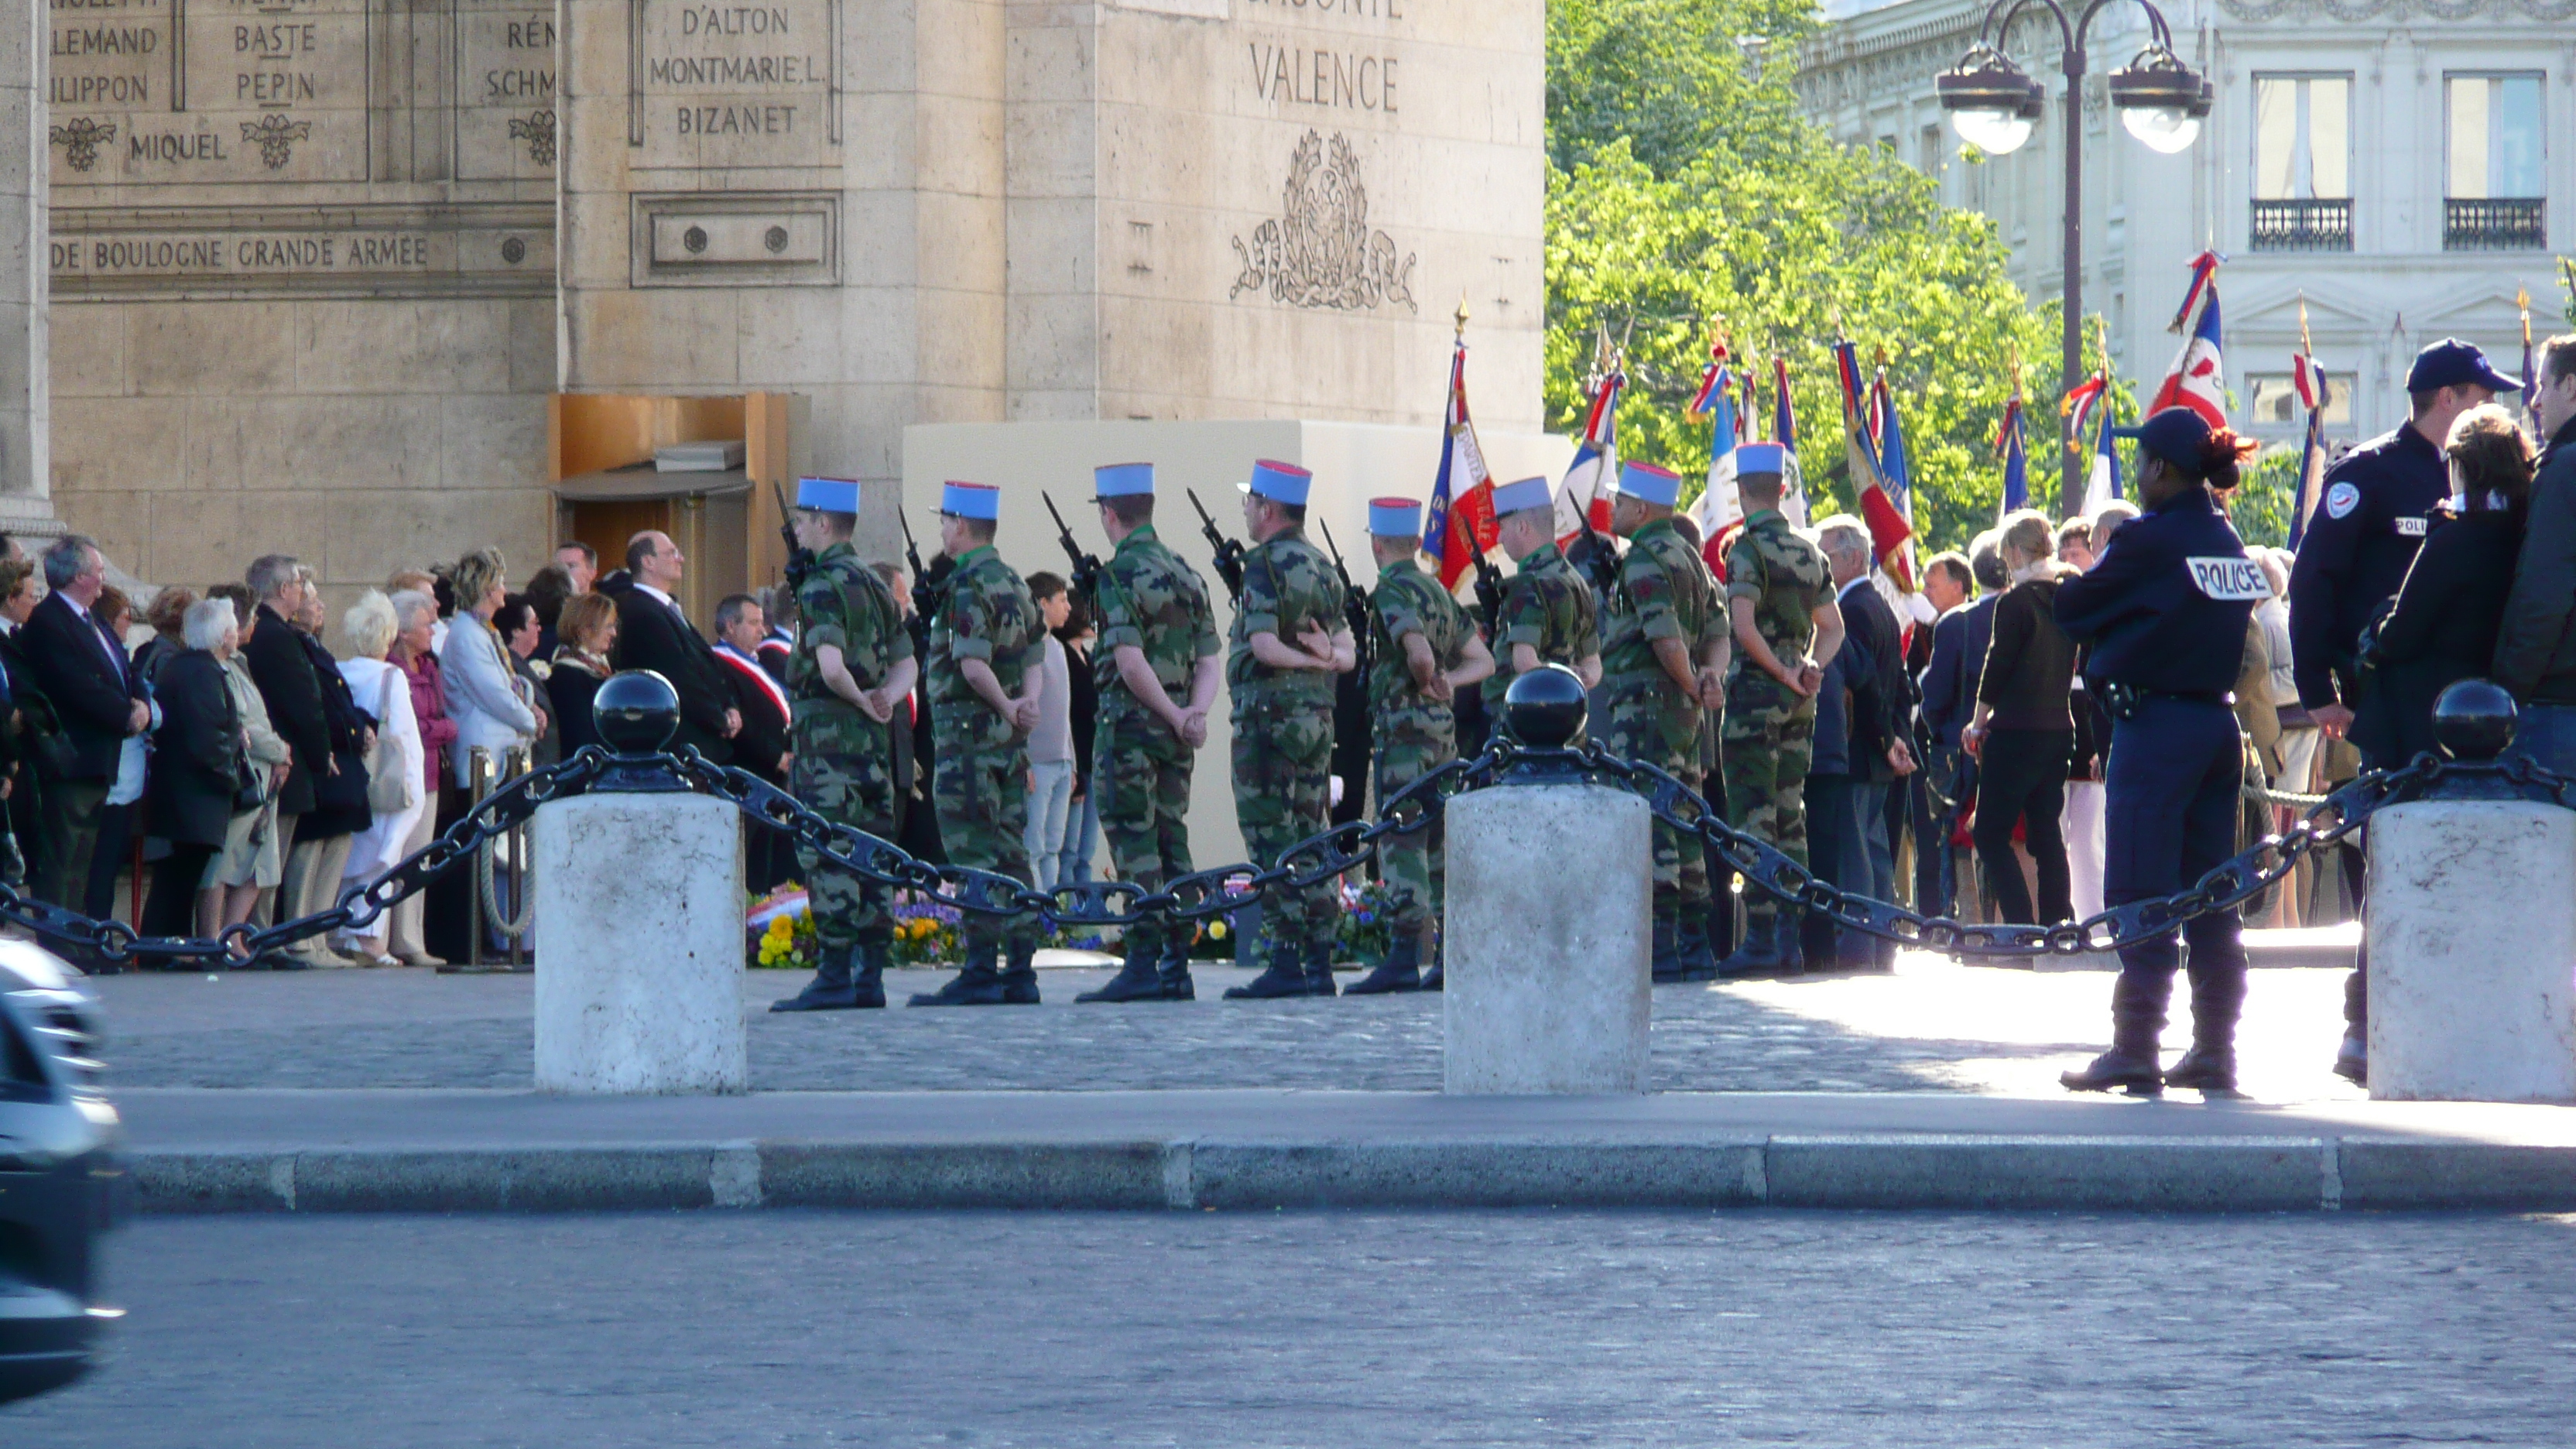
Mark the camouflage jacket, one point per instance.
(1409, 601)
(844, 604)
(988, 615)
(1665, 592)
(1288, 585)
(1549, 607)
(1150, 601)
(1786, 578)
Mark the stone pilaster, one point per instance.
(24, 239)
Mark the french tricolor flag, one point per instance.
(2198, 378)
(1596, 464)
(1459, 525)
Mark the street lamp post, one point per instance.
(1993, 104)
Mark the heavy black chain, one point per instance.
(1311, 861)
(2224, 886)
(117, 943)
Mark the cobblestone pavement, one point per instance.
(1931, 1026)
(1847, 1329)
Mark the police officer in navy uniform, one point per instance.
(2165, 611)
(2357, 548)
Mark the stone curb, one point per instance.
(1870, 1171)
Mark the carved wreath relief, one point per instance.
(1320, 252)
(80, 137)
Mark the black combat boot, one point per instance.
(1760, 955)
(1284, 976)
(2137, 1023)
(868, 963)
(976, 984)
(1136, 979)
(831, 988)
(1319, 969)
(1400, 971)
(1020, 973)
(1172, 967)
(1437, 978)
(1690, 943)
(2217, 999)
(1664, 958)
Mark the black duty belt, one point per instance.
(2123, 700)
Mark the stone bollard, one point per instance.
(2472, 933)
(1547, 933)
(638, 896)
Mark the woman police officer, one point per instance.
(2165, 612)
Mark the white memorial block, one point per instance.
(2472, 934)
(1549, 989)
(639, 945)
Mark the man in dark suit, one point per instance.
(283, 670)
(99, 702)
(1948, 586)
(762, 744)
(1882, 700)
(653, 633)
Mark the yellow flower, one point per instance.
(1216, 930)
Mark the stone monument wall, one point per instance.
(316, 264)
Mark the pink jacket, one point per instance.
(429, 706)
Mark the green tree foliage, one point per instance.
(1685, 187)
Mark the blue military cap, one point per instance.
(971, 500)
(2451, 363)
(828, 495)
(1279, 482)
(1520, 497)
(1760, 458)
(1653, 484)
(1395, 518)
(1122, 480)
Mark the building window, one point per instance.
(2302, 164)
(2276, 398)
(2496, 200)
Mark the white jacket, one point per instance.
(478, 684)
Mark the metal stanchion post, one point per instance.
(478, 775)
(517, 764)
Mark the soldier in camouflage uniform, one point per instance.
(1423, 653)
(1289, 640)
(1549, 615)
(1157, 665)
(986, 649)
(1780, 598)
(1667, 645)
(852, 668)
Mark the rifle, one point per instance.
(1489, 599)
(800, 559)
(926, 597)
(1600, 563)
(1229, 553)
(1357, 611)
(1086, 569)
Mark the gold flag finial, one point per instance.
(1462, 316)
(2306, 347)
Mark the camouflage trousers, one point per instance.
(1283, 752)
(1140, 781)
(1412, 866)
(1766, 743)
(856, 790)
(983, 801)
(1650, 721)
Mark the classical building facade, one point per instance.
(2402, 166)
(368, 280)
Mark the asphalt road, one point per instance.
(1329, 1330)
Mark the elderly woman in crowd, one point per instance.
(199, 771)
(588, 625)
(167, 614)
(523, 634)
(251, 859)
(384, 693)
(2443, 627)
(413, 653)
(483, 699)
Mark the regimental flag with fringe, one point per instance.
(2308, 377)
(1459, 526)
(1784, 431)
(1596, 462)
(1719, 509)
(2198, 378)
(1888, 530)
(2011, 446)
